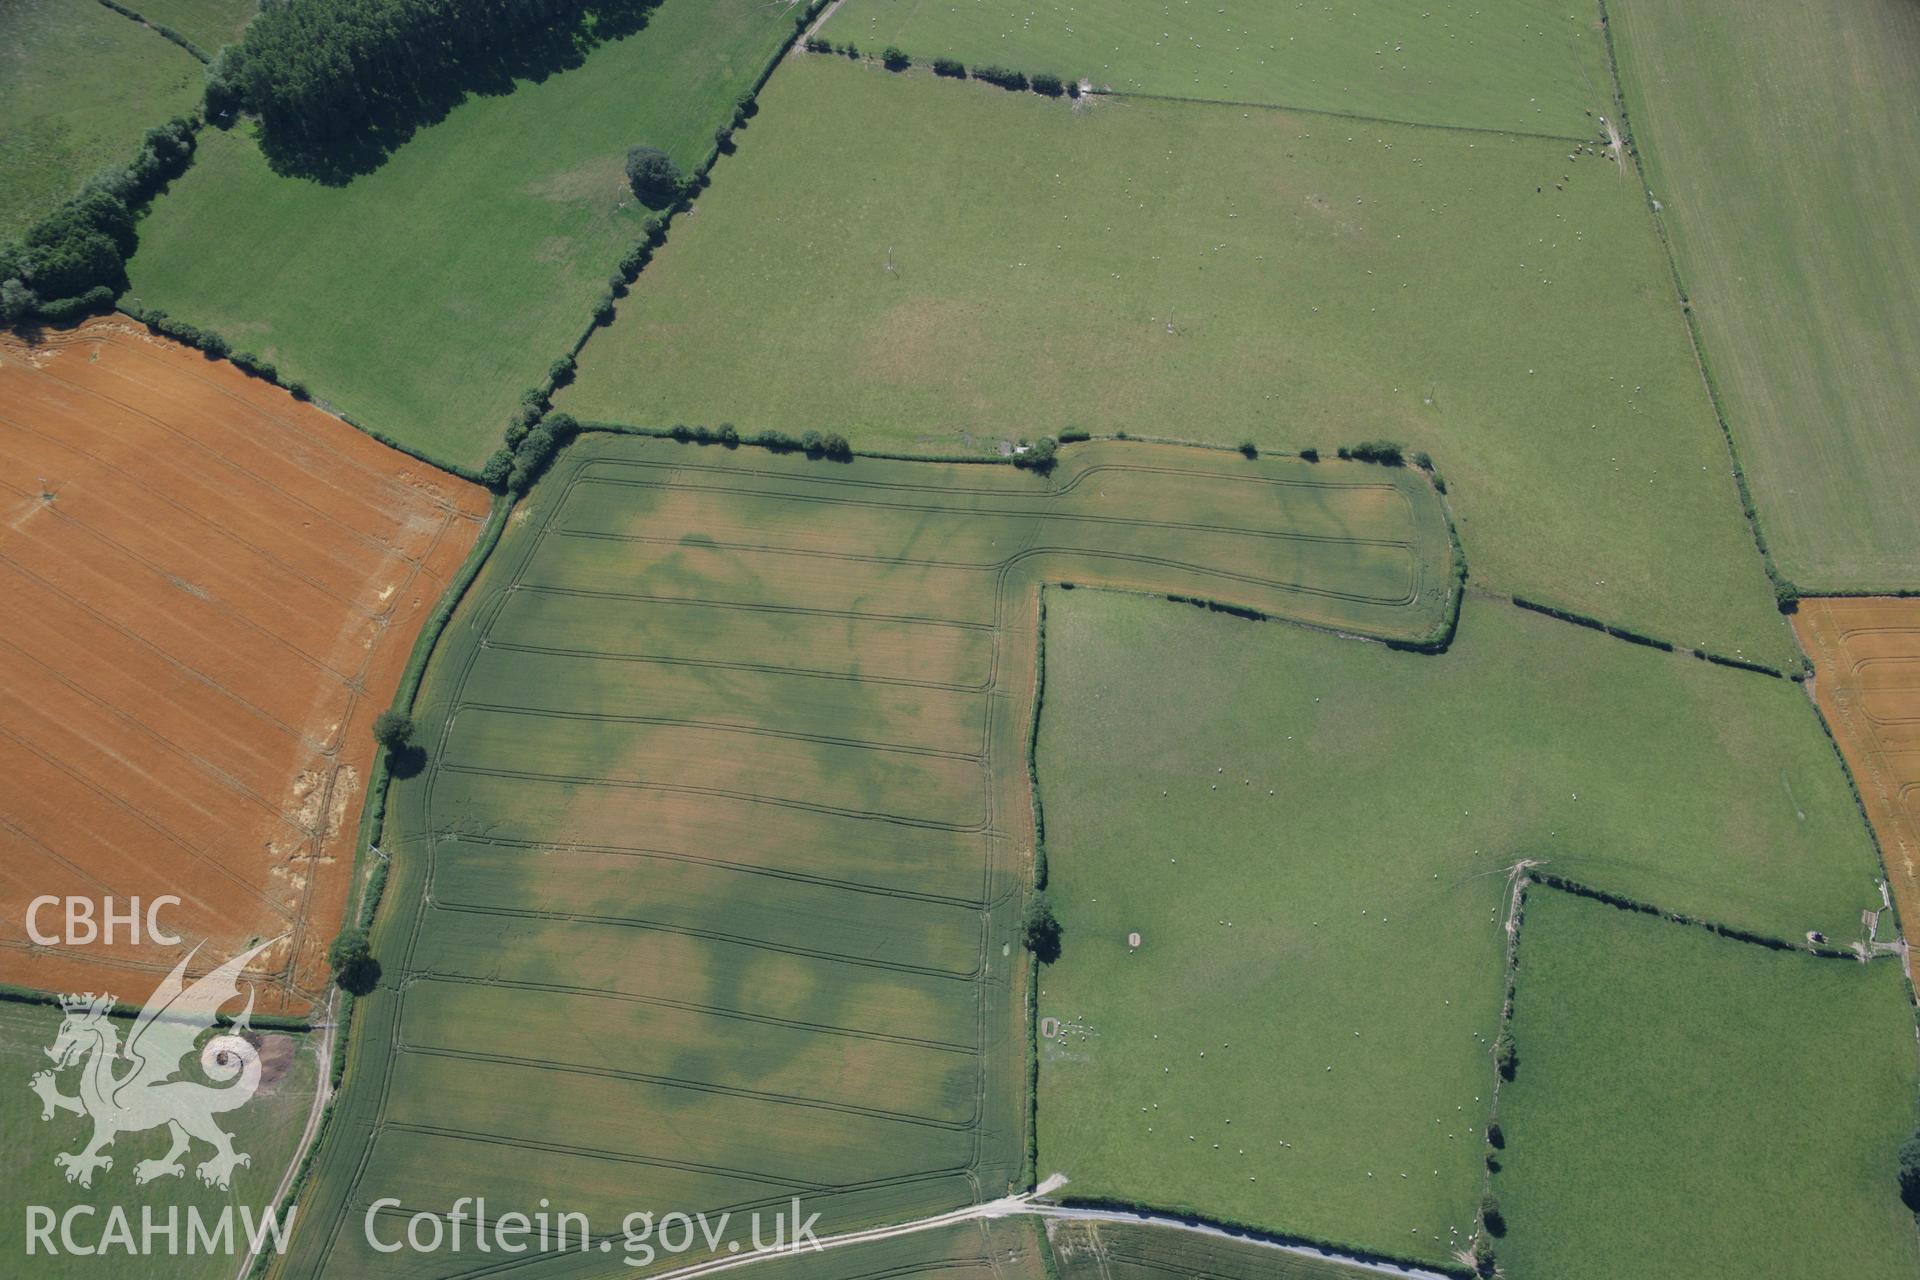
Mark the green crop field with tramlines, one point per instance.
(707, 894)
(930, 266)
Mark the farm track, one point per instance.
(774, 862)
(217, 587)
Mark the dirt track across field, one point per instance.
(1866, 662)
(212, 590)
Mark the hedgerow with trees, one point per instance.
(74, 260)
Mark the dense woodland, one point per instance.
(338, 84)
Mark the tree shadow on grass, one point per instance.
(361, 136)
(407, 762)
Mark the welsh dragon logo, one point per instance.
(131, 1087)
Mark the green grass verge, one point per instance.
(1327, 283)
(1807, 298)
(424, 297)
(1134, 1251)
(79, 86)
(1533, 66)
(1688, 1105)
(266, 1128)
(1349, 809)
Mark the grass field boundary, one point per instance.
(159, 29)
(1436, 643)
(1128, 94)
(1580, 889)
(13, 994)
(1488, 1227)
(1031, 1112)
(1529, 874)
(1632, 636)
(372, 821)
(1860, 804)
(655, 235)
(1075, 93)
(215, 347)
(1188, 1216)
(373, 809)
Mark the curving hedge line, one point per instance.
(73, 262)
(160, 29)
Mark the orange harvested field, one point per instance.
(1866, 664)
(212, 589)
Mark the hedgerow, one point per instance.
(74, 260)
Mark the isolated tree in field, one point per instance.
(350, 956)
(894, 60)
(393, 729)
(1040, 928)
(1910, 1171)
(654, 177)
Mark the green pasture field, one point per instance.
(266, 1128)
(1531, 66)
(989, 1249)
(1087, 1250)
(208, 23)
(707, 895)
(1326, 283)
(1327, 823)
(1689, 1105)
(79, 86)
(422, 298)
(1783, 144)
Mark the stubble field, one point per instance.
(1866, 664)
(213, 590)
